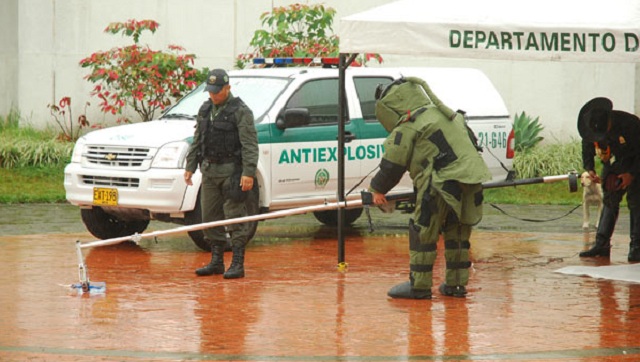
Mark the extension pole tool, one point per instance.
(85, 286)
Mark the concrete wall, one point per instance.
(42, 42)
(553, 91)
(8, 55)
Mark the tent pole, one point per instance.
(343, 64)
(342, 105)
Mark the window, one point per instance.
(320, 97)
(366, 89)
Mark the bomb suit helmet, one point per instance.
(402, 98)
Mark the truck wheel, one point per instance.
(106, 226)
(330, 217)
(195, 217)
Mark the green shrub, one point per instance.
(548, 160)
(23, 147)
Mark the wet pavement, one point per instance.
(294, 304)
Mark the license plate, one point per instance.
(105, 196)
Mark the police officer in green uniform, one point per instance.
(613, 136)
(225, 145)
(440, 152)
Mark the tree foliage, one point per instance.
(299, 31)
(137, 76)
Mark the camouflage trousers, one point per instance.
(217, 205)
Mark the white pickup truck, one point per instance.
(122, 177)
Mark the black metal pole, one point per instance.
(342, 106)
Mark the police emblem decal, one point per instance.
(322, 178)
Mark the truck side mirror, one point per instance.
(293, 117)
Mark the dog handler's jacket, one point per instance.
(430, 141)
(622, 141)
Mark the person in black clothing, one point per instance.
(613, 136)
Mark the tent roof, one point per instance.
(571, 30)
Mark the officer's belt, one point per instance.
(223, 159)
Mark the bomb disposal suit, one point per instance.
(434, 144)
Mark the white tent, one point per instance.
(559, 30)
(547, 30)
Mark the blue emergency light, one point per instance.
(295, 60)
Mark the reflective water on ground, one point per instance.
(295, 305)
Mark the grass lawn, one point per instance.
(45, 184)
(32, 184)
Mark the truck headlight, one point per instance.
(171, 155)
(78, 150)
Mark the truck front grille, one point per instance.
(111, 181)
(114, 156)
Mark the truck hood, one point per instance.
(145, 134)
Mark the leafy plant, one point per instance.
(138, 76)
(29, 151)
(300, 31)
(61, 114)
(549, 159)
(527, 132)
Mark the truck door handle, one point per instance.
(348, 136)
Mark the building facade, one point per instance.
(42, 42)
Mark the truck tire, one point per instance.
(330, 217)
(106, 226)
(195, 217)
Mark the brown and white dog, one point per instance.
(591, 196)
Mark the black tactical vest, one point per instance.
(221, 137)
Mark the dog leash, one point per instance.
(535, 220)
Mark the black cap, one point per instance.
(216, 79)
(593, 119)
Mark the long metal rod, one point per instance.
(306, 209)
(270, 215)
(536, 180)
(83, 272)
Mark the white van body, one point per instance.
(122, 177)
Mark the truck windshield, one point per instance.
(258, 93)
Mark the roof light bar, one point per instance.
(306, 61)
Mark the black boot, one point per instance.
(236, 270)
(634, 245)
(458, 291)
(606, 225)
(406, 291)
(216, 265)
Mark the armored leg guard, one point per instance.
(457, 245)
(606, 226)
(236, 270)
(634, 245)
(407, 291)
(422, 255)
(216, 265)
